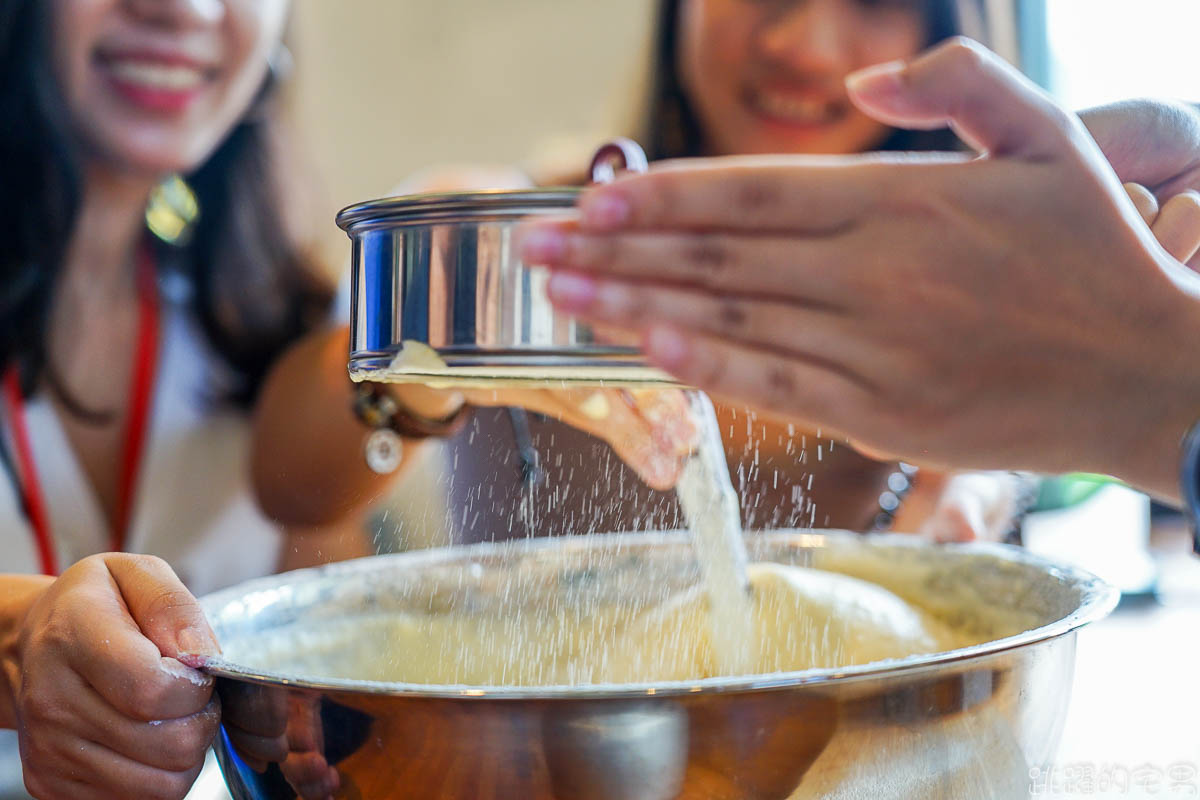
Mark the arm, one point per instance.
(89, 660)
(310, 547)
(935, 308)
(307, 464)
(18, 593)
(963, 506)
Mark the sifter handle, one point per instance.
(617, 156)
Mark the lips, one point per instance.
(795, 108)
(157, 82)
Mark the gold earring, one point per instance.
(172, 211)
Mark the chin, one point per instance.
(849, 134)
(156, 155)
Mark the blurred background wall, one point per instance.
(385, 87)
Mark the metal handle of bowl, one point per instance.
(617, 156)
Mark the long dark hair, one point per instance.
(253, 288)
(673, 131)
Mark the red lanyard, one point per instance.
(140, 393)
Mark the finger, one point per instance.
(260, 710)
(814, 334)
(652, 441)
(976, 505)
(953, 522)
(116, 658)
(1144, 201)
(171, 744)
(652, 450)
(256, 750)
(806, 195)
(762, 380)
(164, 610)
(106, 773)
(963, 85)
(797, 194)
(311, 776)
(615, 336)
(77, 712)
(49, 785)
(809, 270)
(1177, 227)
(304, 729)
(669, 411)
(256, 720)
(655, 452)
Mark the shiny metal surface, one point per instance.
(440, 270)
(963, 724)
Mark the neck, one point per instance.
(94, 310)
(108, 228)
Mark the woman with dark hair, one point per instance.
(105, 328)
(740, 77)
(150, 279)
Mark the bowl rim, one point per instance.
(1098, 599)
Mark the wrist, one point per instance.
(383, 410)
(1147, 413)
(1146, 456)
(426, 403)
(18, 594)
(1154, 449)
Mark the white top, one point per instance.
(193, 505)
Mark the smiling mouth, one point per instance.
(156, 75)
(795, 109)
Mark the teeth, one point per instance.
(799, 109)
(157, 76)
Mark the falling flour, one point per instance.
(711, 509)
(740, 619)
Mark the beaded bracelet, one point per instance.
(899, 484)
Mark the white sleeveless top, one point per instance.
(193, 505)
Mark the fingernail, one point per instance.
(666, 347)
(541, 245)
(603, 211)
(192, 640)
(886, 78)
(571, 291)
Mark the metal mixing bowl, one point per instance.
(967, 724)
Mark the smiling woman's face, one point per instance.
(766, 76)
(153, 86)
